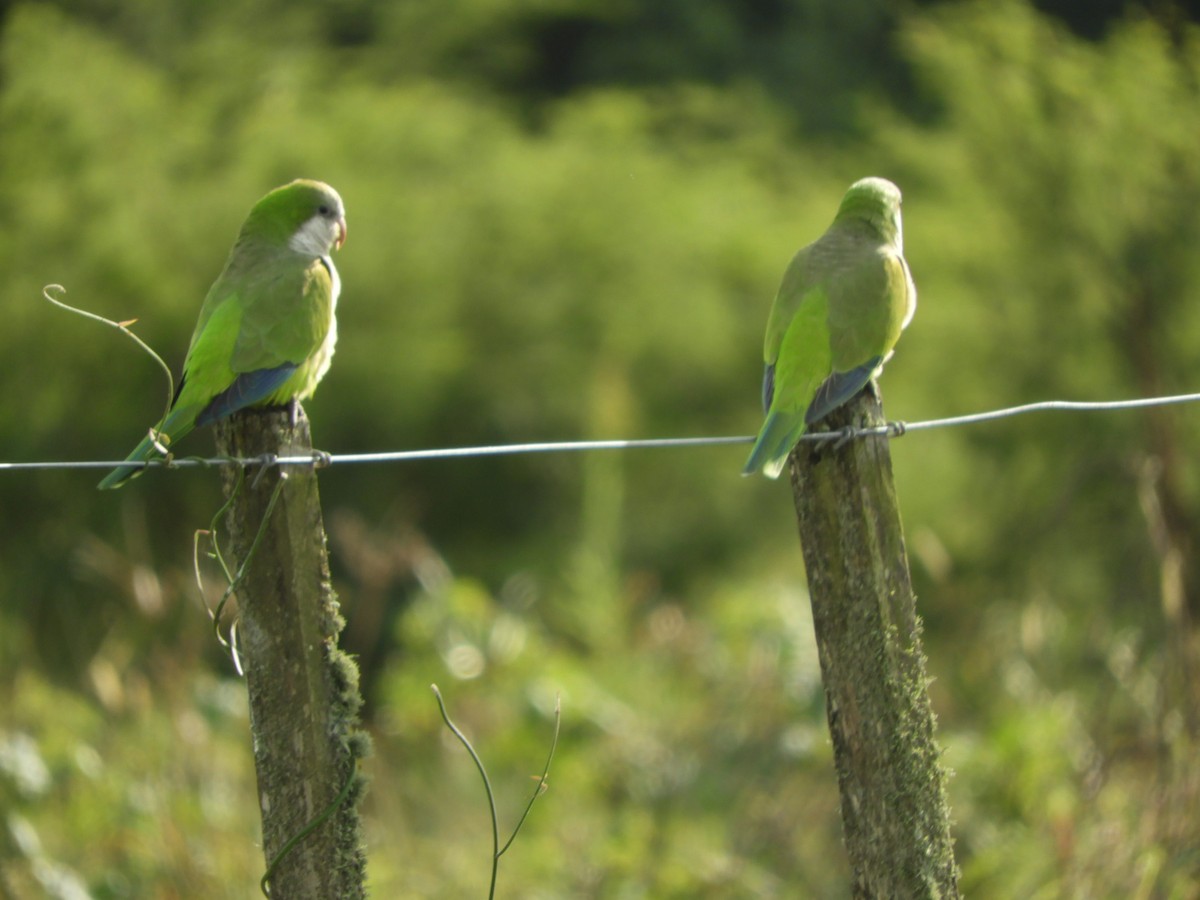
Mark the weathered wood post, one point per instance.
(304, 697)
(895, 816)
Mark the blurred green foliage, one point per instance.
(567, 220)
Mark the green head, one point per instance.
(307, 216)
(875, 201)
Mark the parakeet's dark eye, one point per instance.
(323, 209)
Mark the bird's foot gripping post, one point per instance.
(895, 816)
(304, 697)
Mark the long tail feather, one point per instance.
(122, 474)
(177, 424)
(775, 442)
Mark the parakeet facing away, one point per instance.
(843, 302)
(266, 330)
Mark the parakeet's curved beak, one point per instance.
(341, 238)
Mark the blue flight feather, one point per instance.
(768, 389)
(838, 388)
(247, 389)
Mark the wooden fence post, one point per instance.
(895, 816)
(304, 697)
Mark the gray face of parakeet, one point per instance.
(323, 225)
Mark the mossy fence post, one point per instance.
(895, 816)
(304, 697)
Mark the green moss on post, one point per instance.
(895, 816)
(304, 697)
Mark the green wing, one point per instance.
(867, 309)
(798, 357)
(797, 281)
(286, 318)
(281, 327)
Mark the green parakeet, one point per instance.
(843, 302)
(266, 330)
